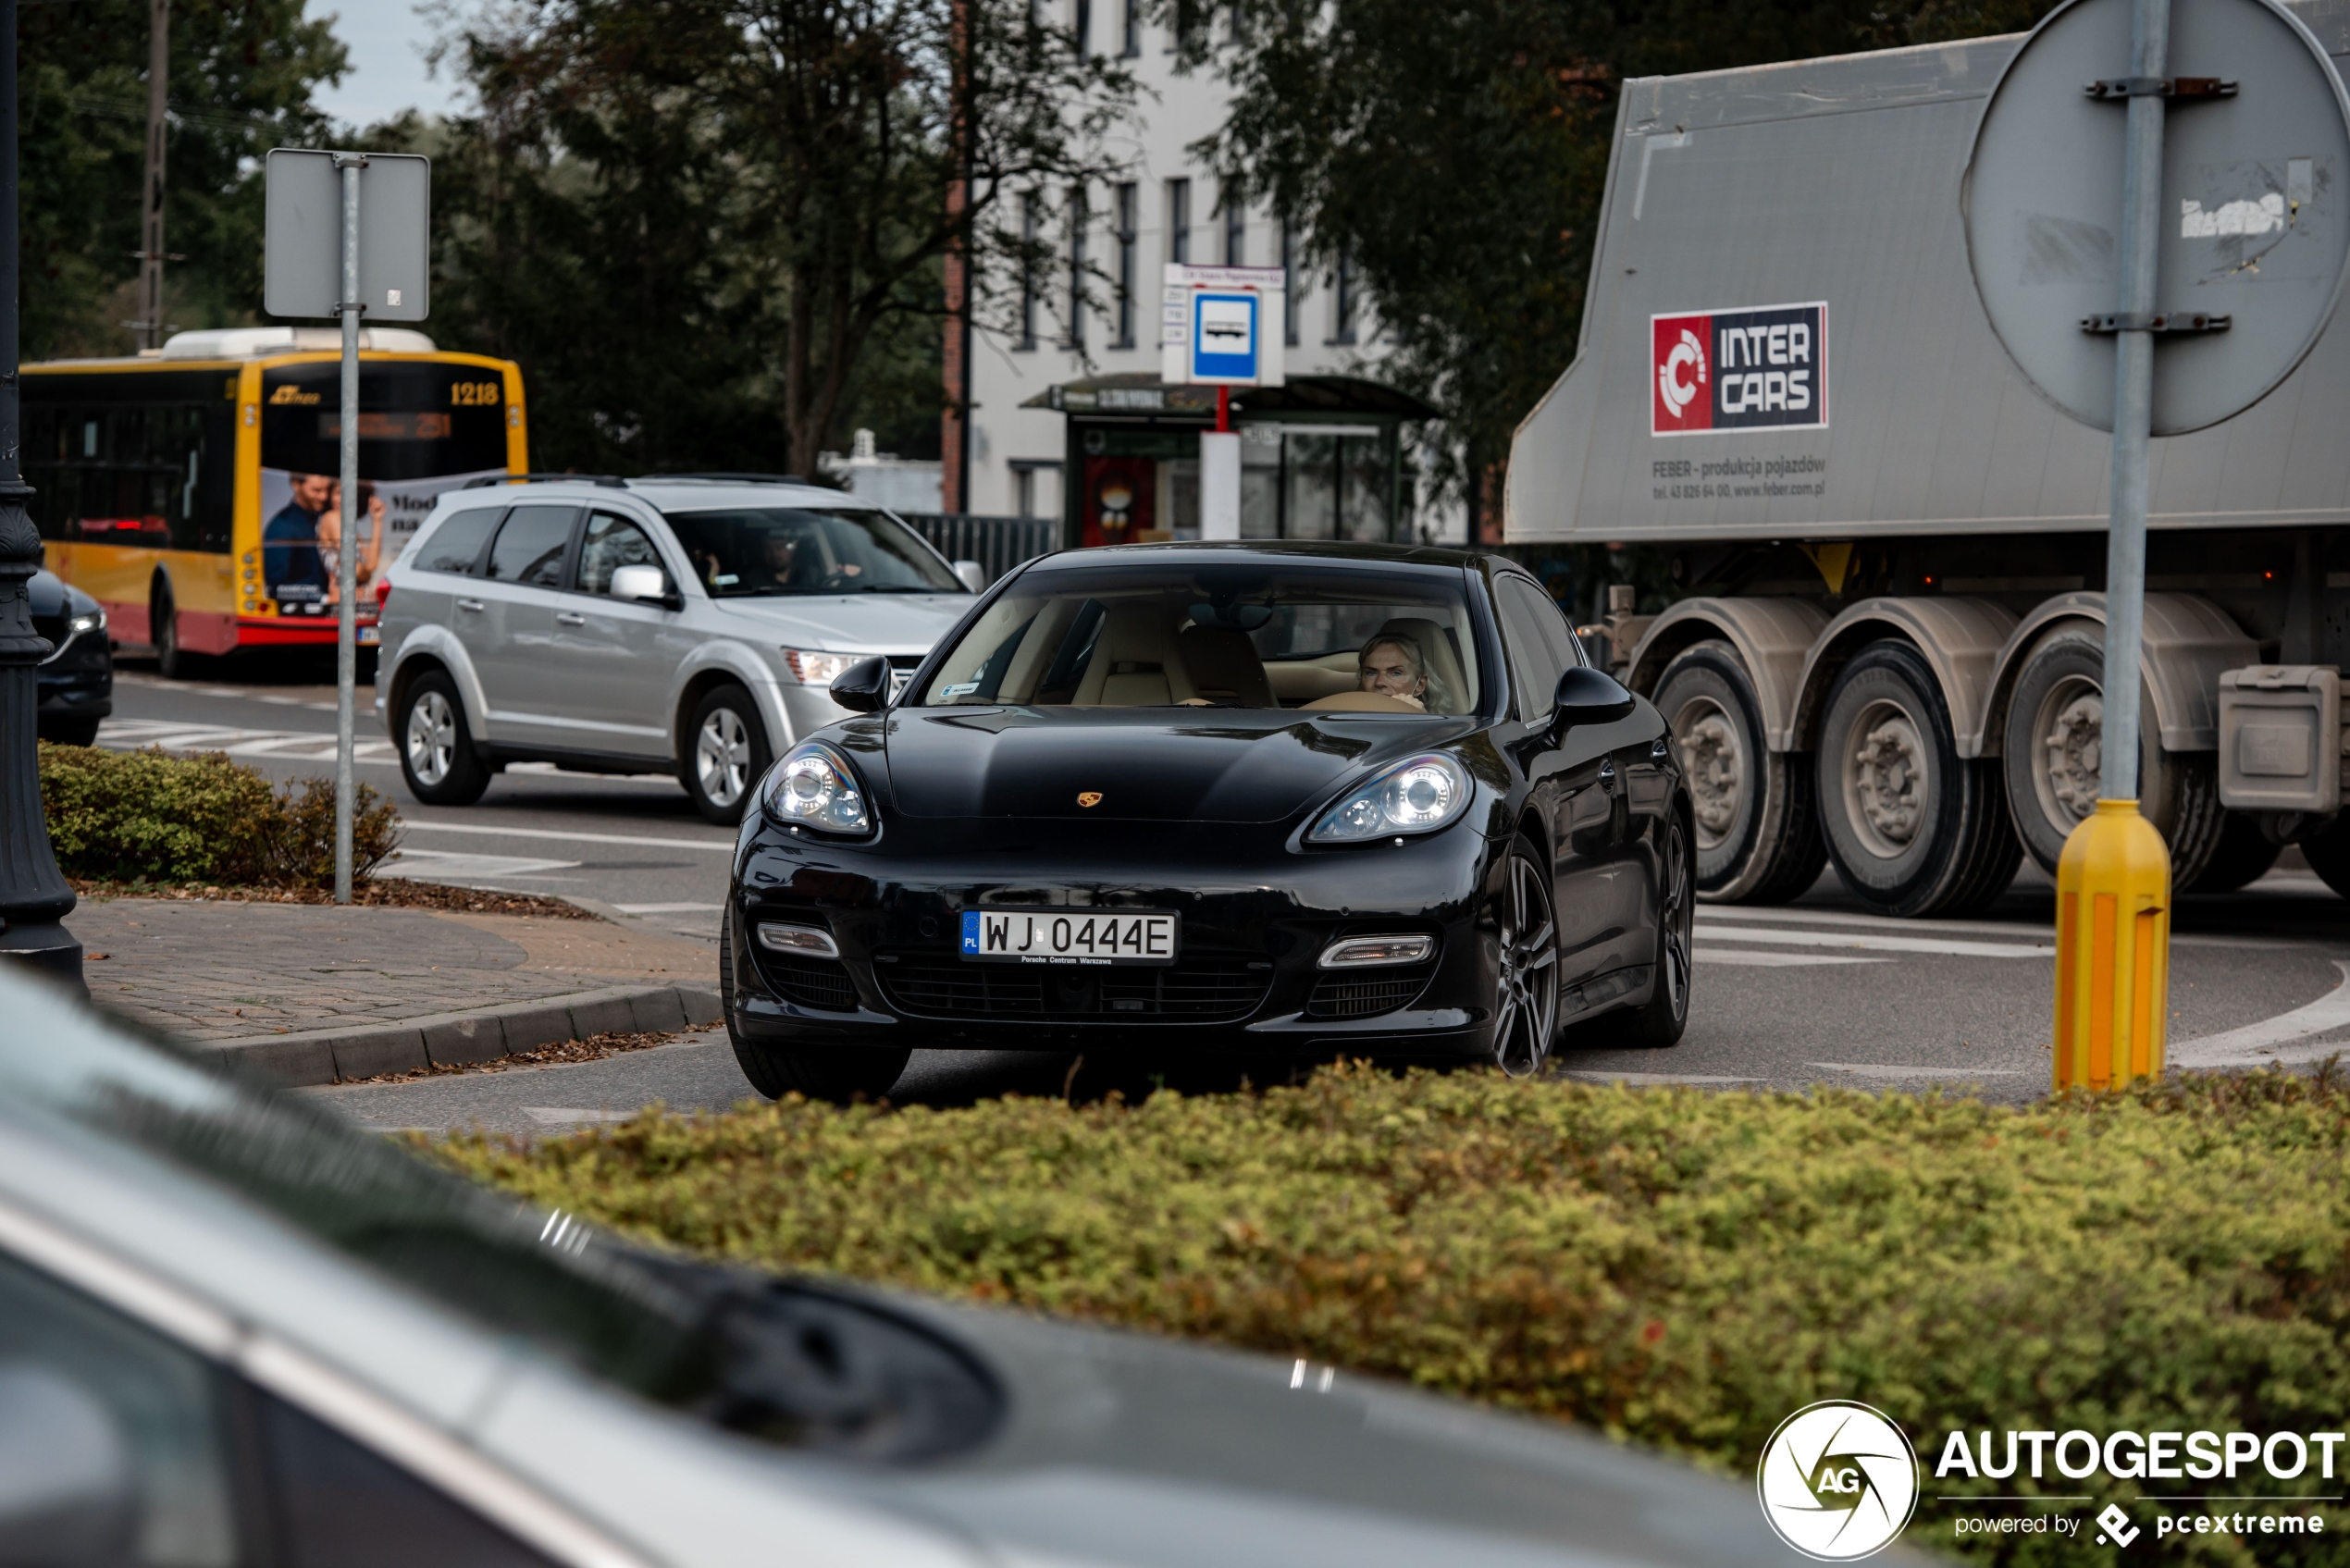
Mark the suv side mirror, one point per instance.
(1587, 697)
(973, 574)
(863, 687)
(646, 584)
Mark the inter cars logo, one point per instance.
(1838, 1480)
(1739, 369)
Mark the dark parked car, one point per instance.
(76, 680)
(1284, 798)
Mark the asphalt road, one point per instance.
(1813, 992)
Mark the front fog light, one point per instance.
(816, 788)
(1420, 796)
(805, 942)
(1376, 951)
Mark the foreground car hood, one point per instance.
(848, 623)
(1210, 765)
(1123, 1448)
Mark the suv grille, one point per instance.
(1362, 995)
(823, 983)
(1195, 990)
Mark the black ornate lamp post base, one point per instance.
(50, 948)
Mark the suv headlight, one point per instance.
(1420, 796)
(815, 787)
(810, 668)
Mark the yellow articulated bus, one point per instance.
(194, 492)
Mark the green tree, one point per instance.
(243, 72)
(1458, 155)
(709, 229)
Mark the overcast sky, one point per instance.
(387, 40)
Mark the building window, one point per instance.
(1126, 239)
(1029, 292)
(1343, 300)
(1084, 28)
(1077, 266)
(1236, 231)
(1133, 47)
(1293, 305)
(1179, 221)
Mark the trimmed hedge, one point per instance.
(150, 816)
(1681, 1268)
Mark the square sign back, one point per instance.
(1739, 370)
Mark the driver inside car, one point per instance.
(789, 569)
(1392, 666)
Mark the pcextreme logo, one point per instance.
(1838, 1480)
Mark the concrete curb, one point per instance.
(483, 1035)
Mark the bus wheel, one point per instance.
(2055, 753)
(172, 662)
(1914, 828)
(1758, 836)
(437, 755)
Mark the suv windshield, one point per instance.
(751, 551)
(1289, 633)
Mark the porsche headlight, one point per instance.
(816, 788)
(810, 668)
(1420, 796)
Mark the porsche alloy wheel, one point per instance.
(1525, 1005)
(1674, 963)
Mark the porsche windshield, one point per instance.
(797, 549)
(1286, 635)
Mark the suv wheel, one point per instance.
(437, 755)
(726, 754)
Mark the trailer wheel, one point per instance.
(2243, 855)
(2329, 855)
(1914, 828)
(2054, 745)
(1757, 832)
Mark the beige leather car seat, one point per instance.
(1225, 668)
(1136, 662)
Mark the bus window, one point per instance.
(149, 472)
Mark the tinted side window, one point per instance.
(607, 544)
(1534, 664)
(530, 547)
(1551, 620)
(455, 546)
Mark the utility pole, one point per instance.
(33, 895)
(150, 322)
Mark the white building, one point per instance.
(1055, 412)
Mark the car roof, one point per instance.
(1239, 552)
(668, 492)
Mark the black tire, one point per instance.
(2055, 719)
(436, 754)
(840, 1072)
(2242, 857)
(2329, 855)
(1757, 837)
(173, 662)
(1665, 1017)
(1914, 828)
(725, 754)
(73, 731)
(1526, 964)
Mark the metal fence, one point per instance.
(997, 543)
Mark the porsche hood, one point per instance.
(1142, 764)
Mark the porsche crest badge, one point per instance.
(1090, 797)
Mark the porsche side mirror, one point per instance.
(1587, 697)
(972, 575)
(646, 584)
(863, 687)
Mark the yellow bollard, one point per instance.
(2113, 950)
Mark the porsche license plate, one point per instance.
(1058, 936)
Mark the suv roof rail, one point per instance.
(731, 479)
(610, 481)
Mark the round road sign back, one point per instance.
(2252, 219)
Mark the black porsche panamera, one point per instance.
(1288, 799)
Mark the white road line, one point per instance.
(431, 864)
(547, 1115)
(668, 909)
(1717, 932)
(1875, 1069)
(2271, 1039)
(1774, 960)
(294, 746)
(1594, 1075)
(722, 847)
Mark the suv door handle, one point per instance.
(470, 604)
(570, 618)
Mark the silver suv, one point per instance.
(676, 624)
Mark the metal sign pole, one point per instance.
(2126, 559)
(353, 517)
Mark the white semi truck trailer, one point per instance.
(1891, 550)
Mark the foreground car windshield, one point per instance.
(1284, 635)
(763, 550)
